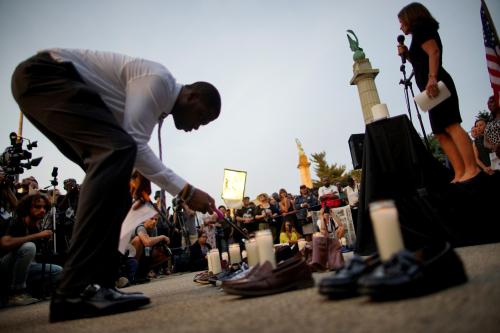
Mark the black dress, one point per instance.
(447, 112)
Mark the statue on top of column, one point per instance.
(354, 44)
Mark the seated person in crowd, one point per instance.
(289, 234)
(23, 239)
(330, 225)
(149, 247)
(198, 253)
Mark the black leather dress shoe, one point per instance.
(94, 301)
(409, 274)
(344, 283)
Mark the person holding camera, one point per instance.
(22, 240)
(100, 109)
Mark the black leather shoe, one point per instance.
(344, 283)
(94, 301)
(409, 274)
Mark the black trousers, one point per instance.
(55, 99)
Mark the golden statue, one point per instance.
(304, 164)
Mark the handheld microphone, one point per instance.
(401, 41)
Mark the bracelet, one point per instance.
(185, 192)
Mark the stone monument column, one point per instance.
(304, 164)
(363, 77)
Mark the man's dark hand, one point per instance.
(201, 202)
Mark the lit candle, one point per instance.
(215, 259)
(384, 216)
(234, 253)
(243, 254)
(225, 256)
(302, 243)
(209, 259)
(265, 247)
(252, 251)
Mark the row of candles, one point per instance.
(258, 250)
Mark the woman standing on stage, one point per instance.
(425, 55)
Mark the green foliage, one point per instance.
(334, 172)
(483, 115)
(436, 150)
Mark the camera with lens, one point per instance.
(15, 159)
(177, 204)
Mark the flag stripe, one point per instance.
(492, 49)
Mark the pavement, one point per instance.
(179, 305)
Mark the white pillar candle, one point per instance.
(301, 243)
(252, 251)
(225, 256)
(380, 111)
(265, 247)
(234, 253)
(215, 259)
(243, 254)
(209, 259)
(384, 216)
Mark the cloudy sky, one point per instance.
(282, 67)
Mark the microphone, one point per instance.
(401, 42)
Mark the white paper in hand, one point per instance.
(425, 103)
(132, 220)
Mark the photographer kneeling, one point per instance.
(150, 249)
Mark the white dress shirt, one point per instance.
(138, 92)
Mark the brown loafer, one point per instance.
(293, 273)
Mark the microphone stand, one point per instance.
(406, 82)
(54, 183)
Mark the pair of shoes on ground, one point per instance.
(228, 274)
(21, 299)
(94, 301)
(407, 274)
(262, 279)
(202, 277)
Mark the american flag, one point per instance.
(492, 51)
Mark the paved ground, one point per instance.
(179, 305)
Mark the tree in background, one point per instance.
(483, 115)
(334, 172)
(436, 150)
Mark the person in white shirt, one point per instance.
(328, 194)
(100, 109)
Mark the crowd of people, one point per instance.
(486, 138)
(176, 239)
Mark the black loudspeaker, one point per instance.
(356, 142)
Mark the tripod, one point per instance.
(406, 82)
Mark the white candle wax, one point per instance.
(252, 251)
(301, 243)
(234, 253)
(386, 228)
(216, 265)
(265, 247)
(209, 259)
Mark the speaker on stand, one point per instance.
(356, 147)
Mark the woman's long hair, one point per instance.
(415, 13)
